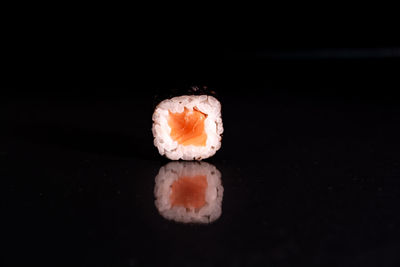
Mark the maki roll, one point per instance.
(189, 192)
(188, 127)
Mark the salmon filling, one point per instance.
(189, 192)
(187, 127)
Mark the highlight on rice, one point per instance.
(188, 127)
(189, 192)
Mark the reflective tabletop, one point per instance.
(298, 181)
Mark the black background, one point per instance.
(310, 156)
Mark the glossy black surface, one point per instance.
(310, 167)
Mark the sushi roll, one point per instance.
(189, 192)
(188, 127)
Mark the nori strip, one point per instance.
(163, 94)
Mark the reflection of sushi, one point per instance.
(189, 192)
(188, 127)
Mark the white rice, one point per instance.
(214, 192)
(212, 126)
